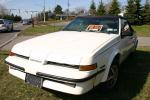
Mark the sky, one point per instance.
(37, 5)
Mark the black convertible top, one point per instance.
(105, 17)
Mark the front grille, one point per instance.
(63, 65)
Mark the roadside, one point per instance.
(9, 46)
(39, 30)
(5, 38)
(144, 41)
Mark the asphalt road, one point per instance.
(6, 37)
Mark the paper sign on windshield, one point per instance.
(94, 27)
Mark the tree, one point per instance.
(93, 8)
(133, 12)
(3, 11)
(114, 8)
(146, 12)
(79, 10)
(58, 10)
(101, 9)
(17, 18)
(138, 12)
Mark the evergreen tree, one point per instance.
(12, 16)
(101, 9)
(146, 12)
(133, 12)
(92, 8)
(58, 10)
(138, 12)
(114, 8)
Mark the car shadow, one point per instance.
(133, 76)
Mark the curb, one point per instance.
(15, 36)
(5, 43)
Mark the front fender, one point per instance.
(111, 58)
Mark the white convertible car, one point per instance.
(85, 53)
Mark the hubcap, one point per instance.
(113, 76)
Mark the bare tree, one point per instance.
(107, 6)
(3, 10)
(80, 10)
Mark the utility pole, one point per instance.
(68, 9)
(44, 11)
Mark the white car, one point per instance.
(6, 25)
(85, 53)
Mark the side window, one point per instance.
(126, 28)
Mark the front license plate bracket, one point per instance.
(34, 80)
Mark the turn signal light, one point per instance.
(12, 54)
(88, 67)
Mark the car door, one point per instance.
(127, 40)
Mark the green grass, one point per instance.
(143, 30)
(40, 29)
(134, 83)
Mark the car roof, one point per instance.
(109, 17)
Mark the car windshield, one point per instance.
(1, 22)
(97, 24)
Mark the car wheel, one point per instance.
(7, 30)
(12, 28)
(112, 78)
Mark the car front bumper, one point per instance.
(76, 88)
(40, 78)
(3, 29)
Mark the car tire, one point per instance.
(12, 28)
(7, 30)
(112, 78)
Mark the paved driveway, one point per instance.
(144, 41)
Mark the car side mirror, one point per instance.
(126, 33)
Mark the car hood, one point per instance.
(67, 47)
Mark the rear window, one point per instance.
(1, 22)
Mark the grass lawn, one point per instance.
(134, 83)
(143, 30)
(40, 29)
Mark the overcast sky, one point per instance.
(37, 5)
